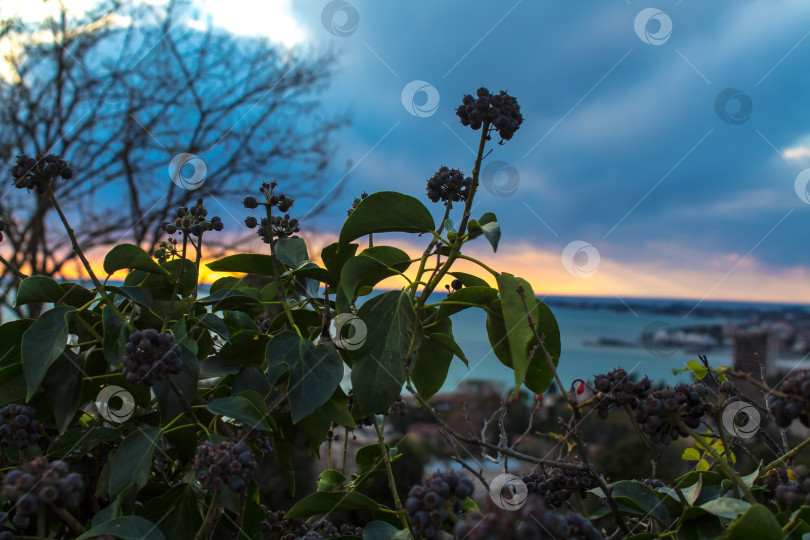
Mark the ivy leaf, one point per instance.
(38, 289)
(126, 528)
(114, 336)
(334, 256)
(691, 454)
(12, 384)
(324, 502)
(488, 226)
(248, 263)
(367, 269)
(386, 211)
(131, 256)
(63, 387)
(291, 251)
(726, 507)
(42, 344)
(379, 530)
(479, 296)
(186, 381)
(315, 371)
(132, 461)
(183, 515)
(329, 479)
(378, 372)
(757, 523)
(433, 360)
(242, 409)
(513, 331)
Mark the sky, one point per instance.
(665, 149)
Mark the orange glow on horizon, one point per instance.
(544, 270)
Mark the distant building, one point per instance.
(747, 343)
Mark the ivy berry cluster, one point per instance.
(448, 185)
(500, 110)
(36, 173)
(18, 425)
(662, 413)
(792, 400)
(427, 505)
(780, 486)
(150, 356)
(225, 464)
(272, 226)
(193, 221)
(41, 481)
(356, 202)
(557, 487)
(617, 388)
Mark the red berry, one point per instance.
(538, 397)
(580, 388)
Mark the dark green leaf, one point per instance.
(126, 528)
(329, 479)
(139, 295)
(12, 384)
(114, 336)
(757, 523)
(63, 387)
(225, 299)
(378, 372)
(79, 441)
(242, 409)
(186, 381)
(315, 371)
(478, 296)
(379, 530)
(469, 280)
(334, 256)
(75, 295)
(367, 269)
(42, 343)
(386, 211)
(11, 334)
(215, 324)
(131, 256)
(249, 263)
(726, 507)
(176, 512)
(245, 349)
(133, 459)
(38, 289)
(433, 360)
(325, 502)
(291, 251)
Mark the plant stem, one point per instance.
(68, 518)
(13, 269)
(786, 457)
(277, 274)
(177, 284)
(720, 463)
(78, 250)
(211, 517)
(391, 482)
(186, 406)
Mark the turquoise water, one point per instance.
(578, 360)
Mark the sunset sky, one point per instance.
(669, 136)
